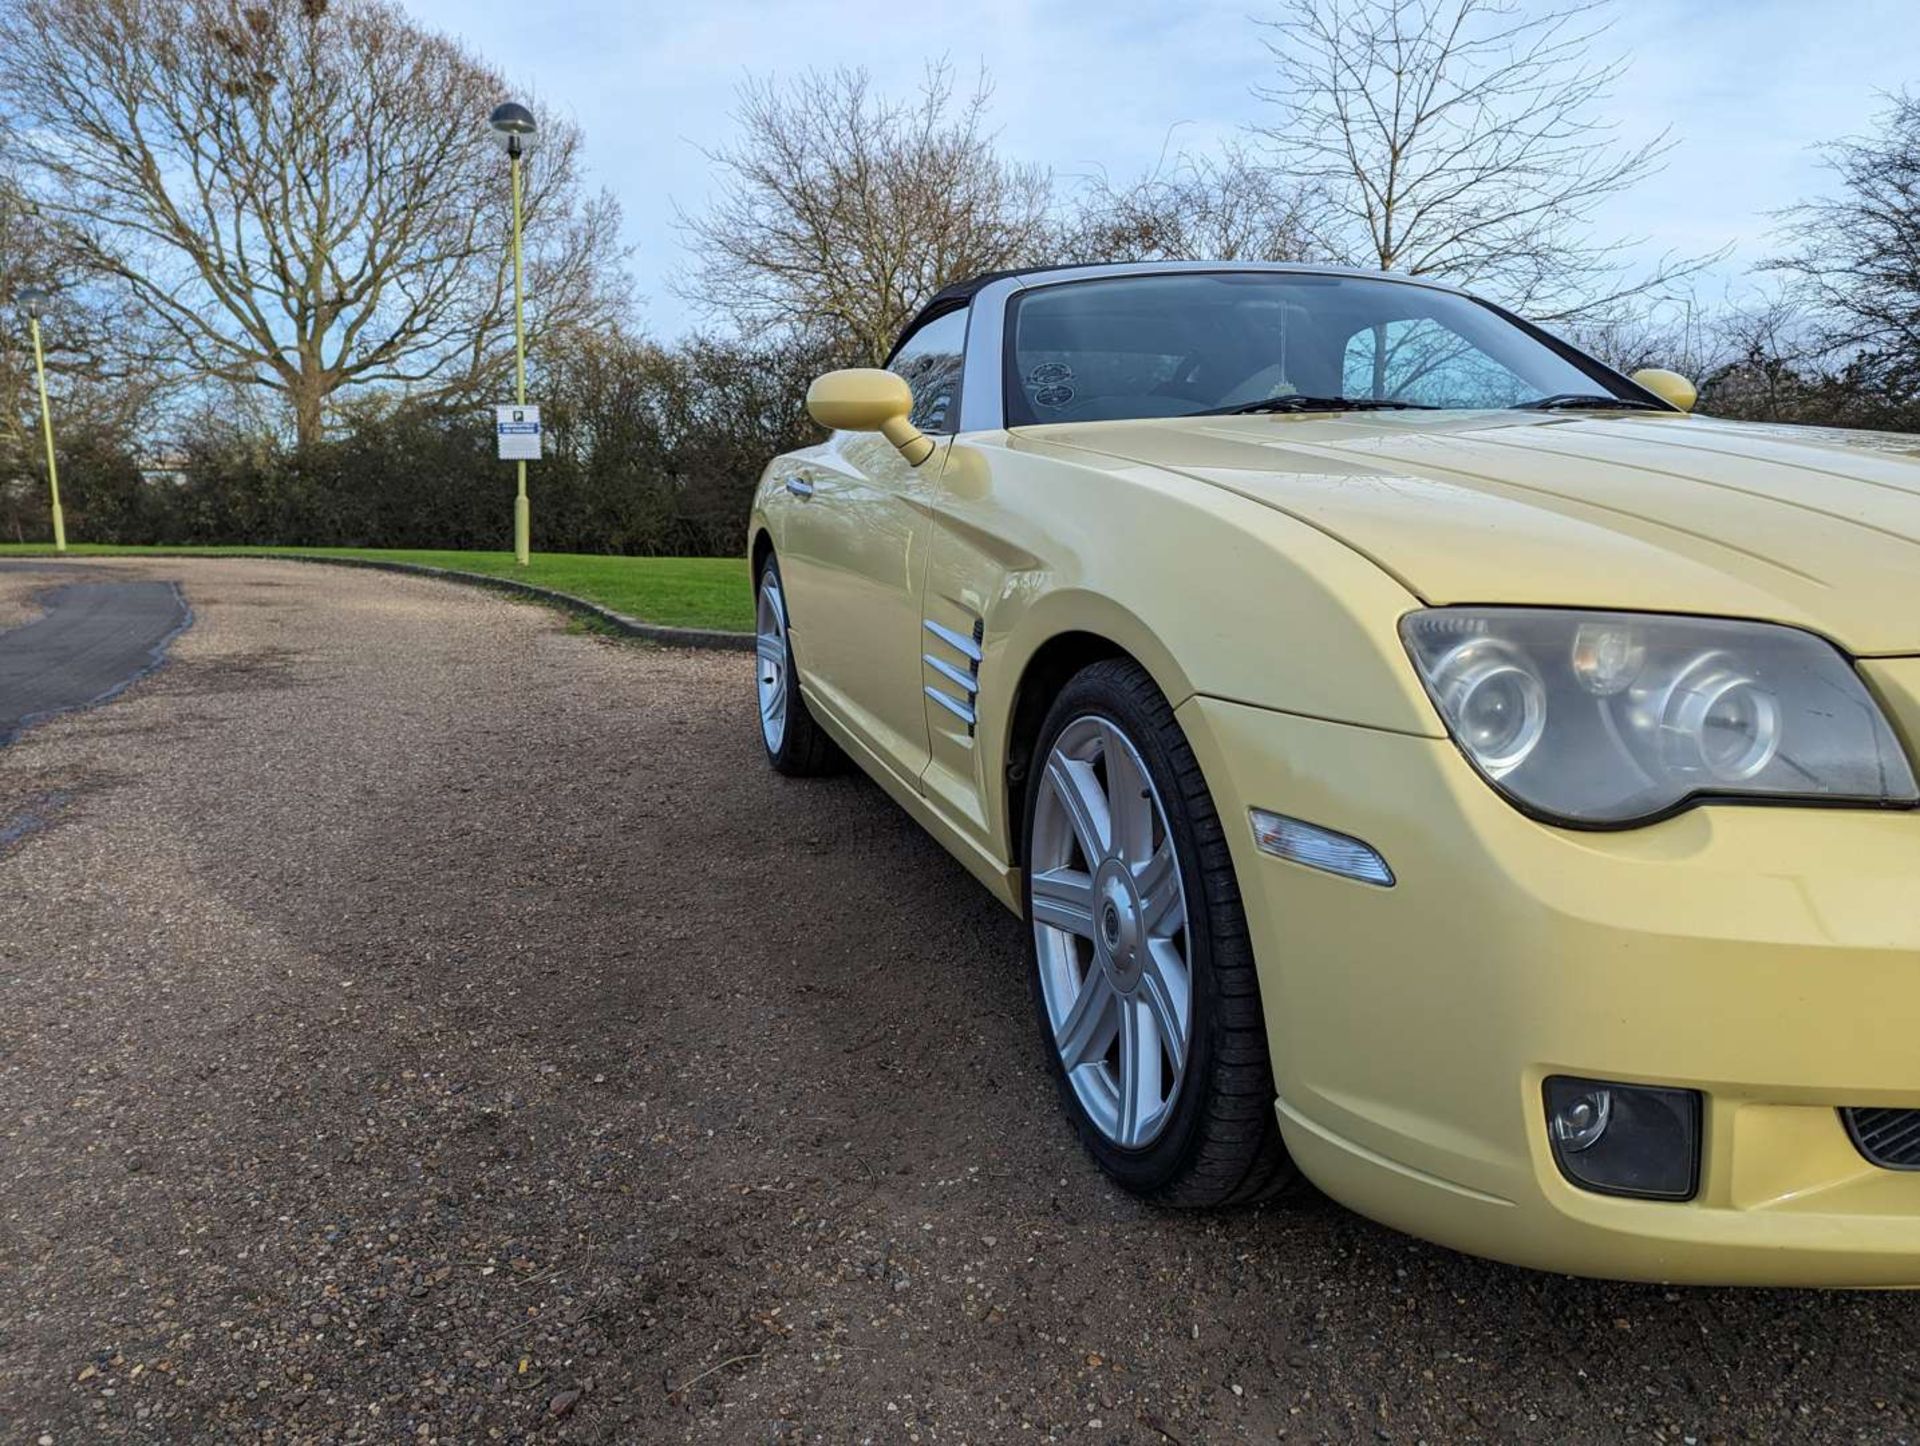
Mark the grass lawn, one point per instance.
(688, 592)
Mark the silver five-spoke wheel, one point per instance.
(1110, 930)
(770, 642)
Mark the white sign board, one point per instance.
(518, 427)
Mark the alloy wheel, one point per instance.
(770, 643)
(1110, 931)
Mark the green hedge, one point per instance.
(650, 452)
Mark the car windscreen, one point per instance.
(1176, 345)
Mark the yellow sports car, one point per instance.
(1427, 760)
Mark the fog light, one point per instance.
(1625, 1139)
(1579, 1125)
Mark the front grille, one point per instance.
(1889, 1138)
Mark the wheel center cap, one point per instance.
(1121, 945)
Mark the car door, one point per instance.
(854, 557)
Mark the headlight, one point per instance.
(1612, 718)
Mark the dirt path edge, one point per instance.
(622, 623)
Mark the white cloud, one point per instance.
(1748, 87)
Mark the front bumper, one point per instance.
(1768, 957)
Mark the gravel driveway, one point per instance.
(419, 1022)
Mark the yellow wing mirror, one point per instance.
(866, 399)
(1668, 386)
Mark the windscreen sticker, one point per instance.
(1049, 384)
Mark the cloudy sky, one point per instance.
(1081, 86)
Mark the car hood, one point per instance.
(1669, 513)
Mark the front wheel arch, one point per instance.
(1042, 644)
(1050, 668)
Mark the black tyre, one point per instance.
(1141, 969)
(796, 744)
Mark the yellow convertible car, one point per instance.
(1427, 760)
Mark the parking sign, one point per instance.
(518, 428)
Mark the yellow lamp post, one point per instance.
(35, 302)
(514, 129)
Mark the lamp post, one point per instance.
(35, 301)
(512, 126)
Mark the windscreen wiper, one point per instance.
(1576, 401)
(1298, 402)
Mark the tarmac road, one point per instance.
(421, 1022)
(91, 639)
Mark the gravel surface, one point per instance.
(23, 582)
(420, 1022)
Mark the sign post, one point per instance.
(517, 428)
(514, 128)
(33, 298)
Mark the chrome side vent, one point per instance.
(959, 676)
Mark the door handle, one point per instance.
(800, 487)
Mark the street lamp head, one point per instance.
(35, 300)
(512, 126)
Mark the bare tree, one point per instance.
(25, 264)
(84, 331)
(842, 211)
(1195, 207)
(1680, 331)
(1765, 363)
(1461, 139)
(1857, 263)
(298, 192)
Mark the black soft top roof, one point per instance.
(960, 293)
(965, 290)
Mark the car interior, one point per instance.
(1169, 346)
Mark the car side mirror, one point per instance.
(867, 399)
(1669, 387)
